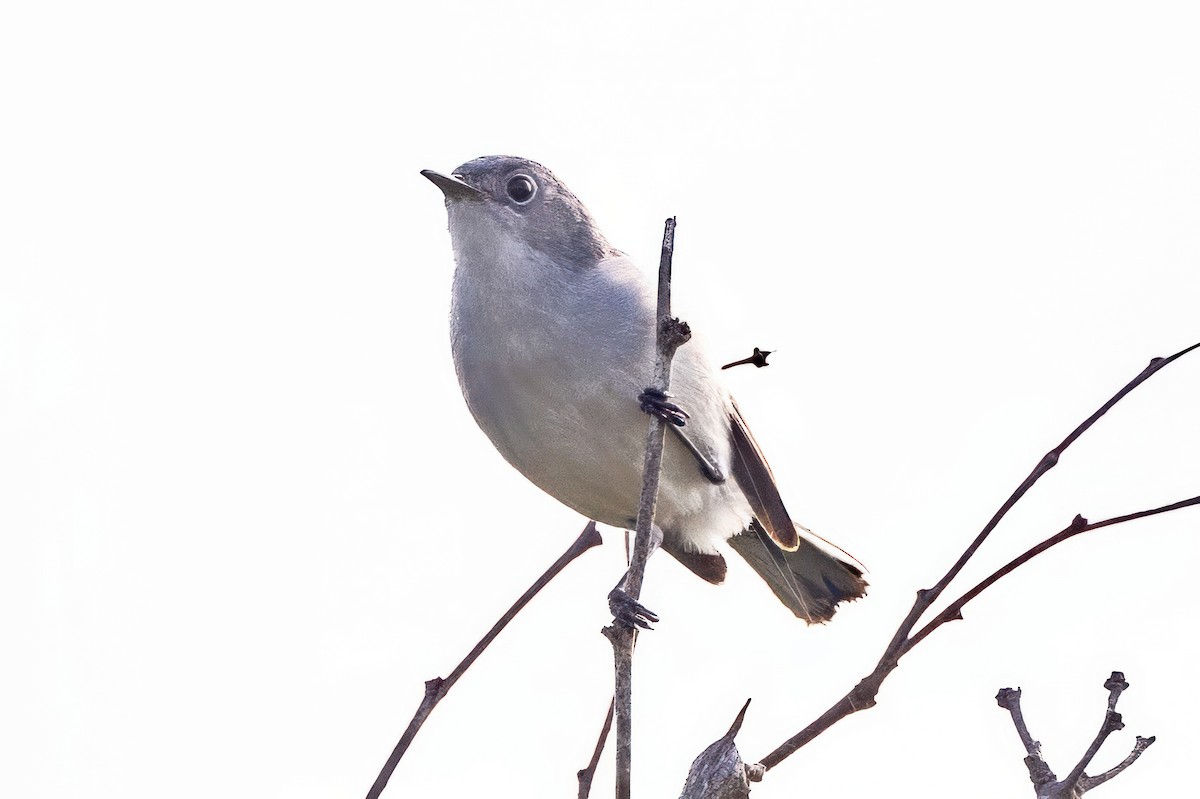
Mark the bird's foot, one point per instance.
(656, 403)
(628, 612)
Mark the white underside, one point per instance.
(551, 362)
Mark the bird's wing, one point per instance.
(752, 473)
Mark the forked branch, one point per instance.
(1077, 783)
(863, 694)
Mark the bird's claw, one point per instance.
(628, 612)
(655, 403)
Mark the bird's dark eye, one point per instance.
(521, 188)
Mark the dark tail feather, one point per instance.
(808, 580)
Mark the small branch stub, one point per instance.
(675, 333)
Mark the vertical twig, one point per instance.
(668, 337)
(669, 334)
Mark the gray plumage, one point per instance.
(552, 332)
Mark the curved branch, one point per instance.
(1078, 525)
(438, 687)
(863, 694)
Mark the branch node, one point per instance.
(1039, 771)
(1078, 523)
(675, 333)
(862, 695)
(1116, 682)
(1008, 698)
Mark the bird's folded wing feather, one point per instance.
(754, 476)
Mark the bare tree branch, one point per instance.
(1010, 700)
(1076, 784)
(438, 687)
(1140, 746)
(862, 695)
(1078, 525)
(1112, 722)
(588, 772)
(670, 334)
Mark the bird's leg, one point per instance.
(625, 609)
(708, 467)
(655, 403)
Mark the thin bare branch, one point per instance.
(587, 773)
(863, 694)
(1087, 783)
(1040, 775)
(438, 687)
(928, 596)
(670, 334)
(1010, 700)
(1078, 525)
(1050, 460)
(1112, 722)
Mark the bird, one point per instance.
(552, 333)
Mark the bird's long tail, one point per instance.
(809, 581)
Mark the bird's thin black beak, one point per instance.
(454, 188)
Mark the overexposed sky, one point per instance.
(245, 514)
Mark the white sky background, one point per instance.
(245, 513)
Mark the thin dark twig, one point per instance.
(670, 333)
(1079, 525)
(1142, 744)
(1112, 722)
(588, 772)
(438, 687)
(928, 596)
(862, 695)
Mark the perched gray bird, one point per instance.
(553, 334)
